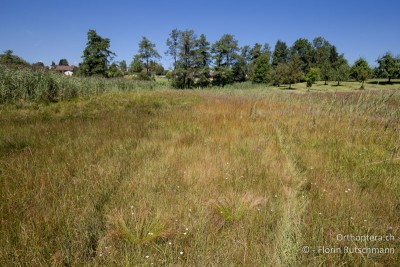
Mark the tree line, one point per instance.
(198, 63)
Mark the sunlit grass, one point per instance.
(230, 177)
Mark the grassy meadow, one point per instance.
(229, 177)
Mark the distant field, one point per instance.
(229, 177)
(373, 84)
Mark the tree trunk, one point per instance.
(390, 78)
(362, 85)
(325, 83)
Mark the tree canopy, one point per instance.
(294, 72)
(12, 61)
(63, 62)
(361, 71)
(172, 44)
(96, 55)
(262, 69)
(340, 69)
(281, 54)
(389, 66)
(147, 53)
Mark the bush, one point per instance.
(312, 76)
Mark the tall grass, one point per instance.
(27, 85)
(200, 178)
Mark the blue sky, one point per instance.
(45, 30)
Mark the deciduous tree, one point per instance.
(321, 55)
(312, 76)
(389, 67)
(340, 69)
(361, 71)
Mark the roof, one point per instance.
(65, 68)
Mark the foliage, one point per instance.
(241, 69)
(326, 71)
(257, 50)
(193, 58)
(63, 62)
(169, 75)
(361, 71)
(203, 56)
(156, 68)
(294, 72)
(303, 49)
(136, 65)
(38, 65)
(340, 69)
(249, 57)
(280, 54)
(96, 56)
(147, 53)
(225, 53)
(122, 66)
(12, 61)
(312, 76)
(203, 61)
(389, 67)
(262, 69)
(114, 71)
(173, 45)
(278, 74)
(187, 60)
(143, 76)
(222, 76)
(321, 57)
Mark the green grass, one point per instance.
(240, 176)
